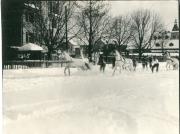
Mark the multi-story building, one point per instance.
(167, 41)
(19, 20)
(162, 42)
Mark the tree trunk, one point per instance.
(140, 54)
(49, 53)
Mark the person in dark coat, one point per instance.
(155, 64)
(150, 62)
(102, 63)
(113, 61)
(144, 63)
(134, 63)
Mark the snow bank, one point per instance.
(59, 71)
(43, 101)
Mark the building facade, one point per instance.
(167, 41)
(162, 42)
(19, 20)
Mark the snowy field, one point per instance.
(44, 101)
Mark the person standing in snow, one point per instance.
(102, 63)
(113, 60)
(150, 62)
(155, 64)
(134, 63)
(144, 63)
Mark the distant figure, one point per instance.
(150, 62)
(102, 63)
(155, 64)
(144, 63)
(113, 60)
(134, 63)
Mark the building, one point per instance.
(19, 24)
(11, 27)
(162, 42)
(167, 41)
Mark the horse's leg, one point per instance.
(69, 72)
(177, 65)
(167, 65)
(120, 68)
(115, 67)
(65, 71)
(132, 68)
(146, 66)
(104, 66)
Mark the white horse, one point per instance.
(171, 62)
(82, 63)
(122, 63)
(128, 64)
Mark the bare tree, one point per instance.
(53, 22)
(120, 30)
(144, 25)
(92, 21)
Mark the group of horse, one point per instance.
(121, 63)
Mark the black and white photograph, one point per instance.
(90, 67)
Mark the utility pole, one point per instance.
(90, 33)
(66, 28)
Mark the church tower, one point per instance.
(175, 31)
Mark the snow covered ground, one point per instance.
(44, 101)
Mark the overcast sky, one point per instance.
(168, 10)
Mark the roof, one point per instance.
(175, 27)
(30, 47)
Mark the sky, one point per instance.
(168, 10)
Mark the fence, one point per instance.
(33, 64)
(25, 64)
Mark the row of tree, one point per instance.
(90, 21)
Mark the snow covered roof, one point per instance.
(31, 5)
(30, 47)
(14, 47)
(159, 54)
(73, 43)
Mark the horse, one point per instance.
(122, 63)
(82, 63)
(171, 62)
(128, 64)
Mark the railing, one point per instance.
(33, 64)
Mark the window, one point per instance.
(159, 37)
(29, 37)
(53, 7)
(54, 23)
(166, 37)
(171, 44)
(30, 17)
(174, 35)
(27, 17)
(50, 6)
(157, 45)
(155, 37)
